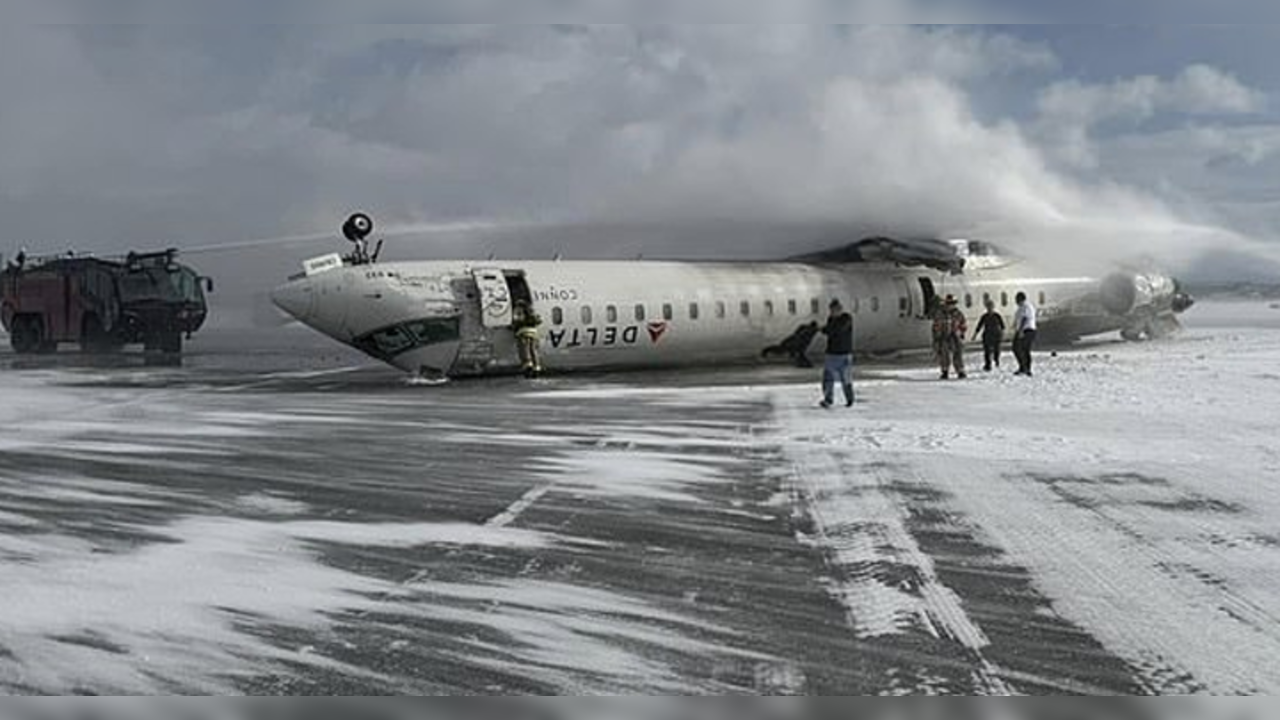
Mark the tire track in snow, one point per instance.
(887, 584)
(1152, 573)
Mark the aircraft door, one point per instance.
(904, 299)
(495, 297)
(928, 295)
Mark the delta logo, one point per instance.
(657, 330)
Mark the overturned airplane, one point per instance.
(454, 318)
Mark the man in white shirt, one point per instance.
(1024, 333)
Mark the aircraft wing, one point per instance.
(910, 253)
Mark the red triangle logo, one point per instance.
(656, 331)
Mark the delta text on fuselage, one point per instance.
(454, 318)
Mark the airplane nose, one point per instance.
(294, 298)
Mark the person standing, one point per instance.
(991, 328)
(526, 323)
(1024, 333)
(839, 360)
(949, 331)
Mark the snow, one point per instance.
(1139, 483)
(561, 633)
(629, 473)
(167, 612)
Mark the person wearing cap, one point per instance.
(949, 331)
(839, 359)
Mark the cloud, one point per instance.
(751, 140)
(1070, 110)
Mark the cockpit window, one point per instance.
(430, 332)
(391, 341)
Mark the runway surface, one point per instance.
(279, 516)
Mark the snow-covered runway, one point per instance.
(1125, 499)
(288, 524)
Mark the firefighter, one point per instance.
(526, 324)
(949, 330)
(991, 328)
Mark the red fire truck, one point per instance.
(101, 304)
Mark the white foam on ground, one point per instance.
(585, 640)
(174, 615)
(266, 504)
(31, 491)
(628, 473)
(1139, 484)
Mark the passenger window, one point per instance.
(815, 306)
(693, 311)
(1004, 299)
(720, 309)
(667, 312)
(903, 304)
(1041, 298)
(791, 307)
(557, 316)
(745, 308)
(986, 298)
(875, 304)
(586, 315)
(639, 313)
(611, 314)
(768, 308)
(968, 300)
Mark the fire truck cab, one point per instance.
(101, 304)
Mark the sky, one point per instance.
(1061, 141)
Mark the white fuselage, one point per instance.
(450, 318)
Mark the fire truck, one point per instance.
(102, 304)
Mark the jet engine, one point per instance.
(1123, 292)
(1148, 300)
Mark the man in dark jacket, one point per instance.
(991, 328)
(839, 360)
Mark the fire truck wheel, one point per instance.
(25, 336)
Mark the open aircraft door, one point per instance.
(906, 302)
(495, 297)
